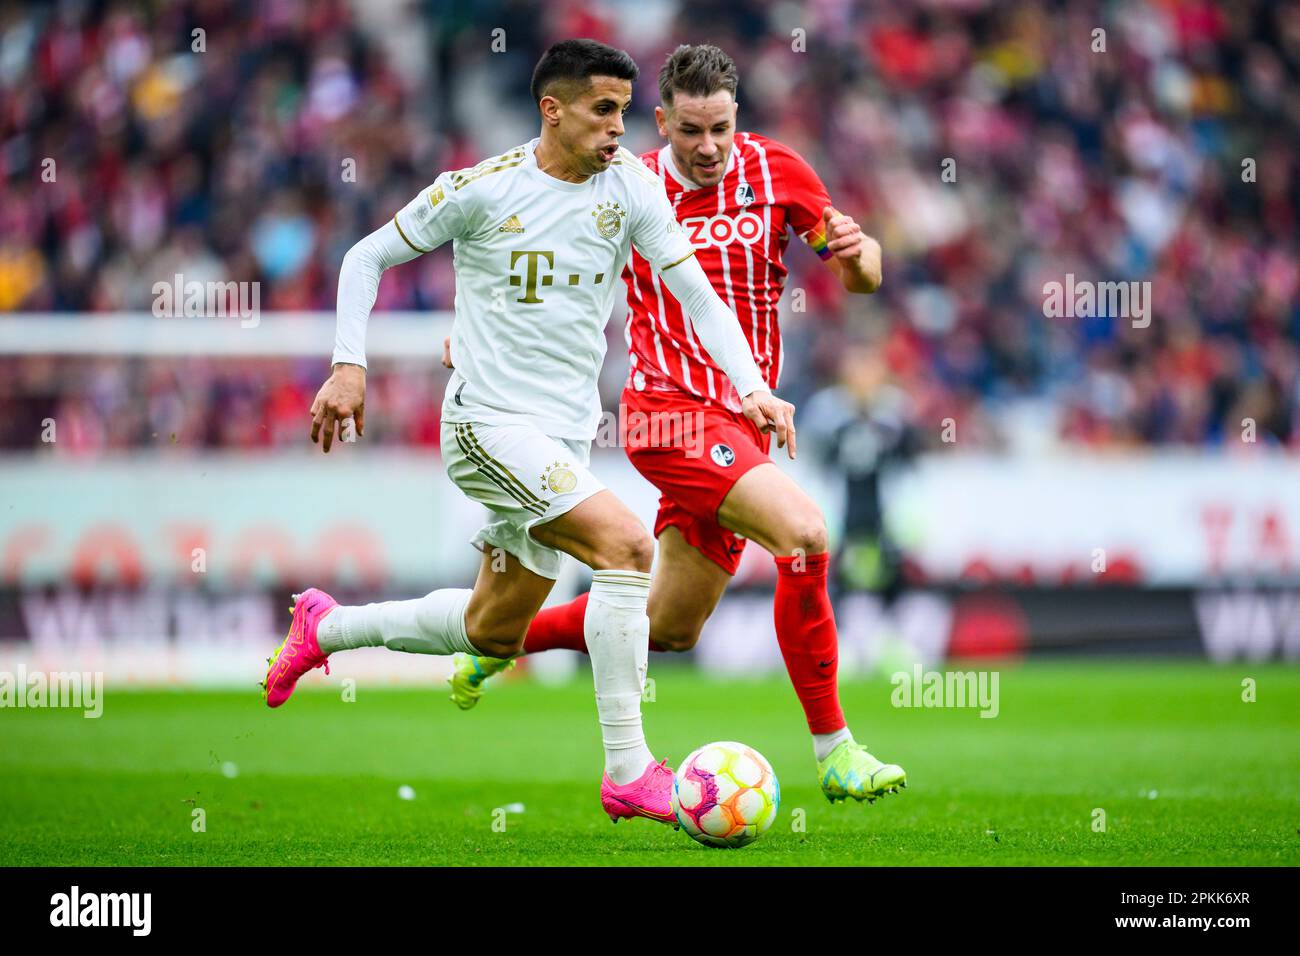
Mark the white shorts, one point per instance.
(525, 476)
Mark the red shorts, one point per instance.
(693, 453)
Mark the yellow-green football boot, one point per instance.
(471, 671)
(850, 771)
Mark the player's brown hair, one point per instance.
(699, 70)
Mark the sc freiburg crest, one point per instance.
(722, 455)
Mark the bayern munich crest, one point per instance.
(609, 217)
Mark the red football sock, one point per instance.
(558, 627)
(561, 627)
(805, 629)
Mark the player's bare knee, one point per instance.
(677, 638)
(813, 538)
(498, 644)
(642, 550)
(495, 638)
(806, 534)
(630, 549)
(510, 645)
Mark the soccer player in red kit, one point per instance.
(737, 195)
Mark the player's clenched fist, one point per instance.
(770, 413)
(343, 396)
(843, 235)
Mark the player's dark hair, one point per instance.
(572, 64)
(700, 70)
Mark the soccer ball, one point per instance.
(725, 794)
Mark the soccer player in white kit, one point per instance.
(540, 236)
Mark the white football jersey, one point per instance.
(538, 263)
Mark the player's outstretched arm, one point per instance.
(343, 395)
(855, 256)
(719, 332)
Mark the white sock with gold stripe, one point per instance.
(617, 632)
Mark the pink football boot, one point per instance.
(649, 796)
(299, 652)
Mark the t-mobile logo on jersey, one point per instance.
(537, 266)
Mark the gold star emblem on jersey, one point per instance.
(559, 478)
(512, 225)
(609, 218)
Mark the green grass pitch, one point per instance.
(1185, 771)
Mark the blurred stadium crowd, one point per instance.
(1130, 164)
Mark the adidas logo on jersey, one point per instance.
(512, 225)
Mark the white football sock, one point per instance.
(823, 744)
(433, 624)
(618, 641)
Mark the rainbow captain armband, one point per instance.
(816, 237)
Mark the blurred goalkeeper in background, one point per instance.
(861, 432)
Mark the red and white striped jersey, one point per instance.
(739, 231)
